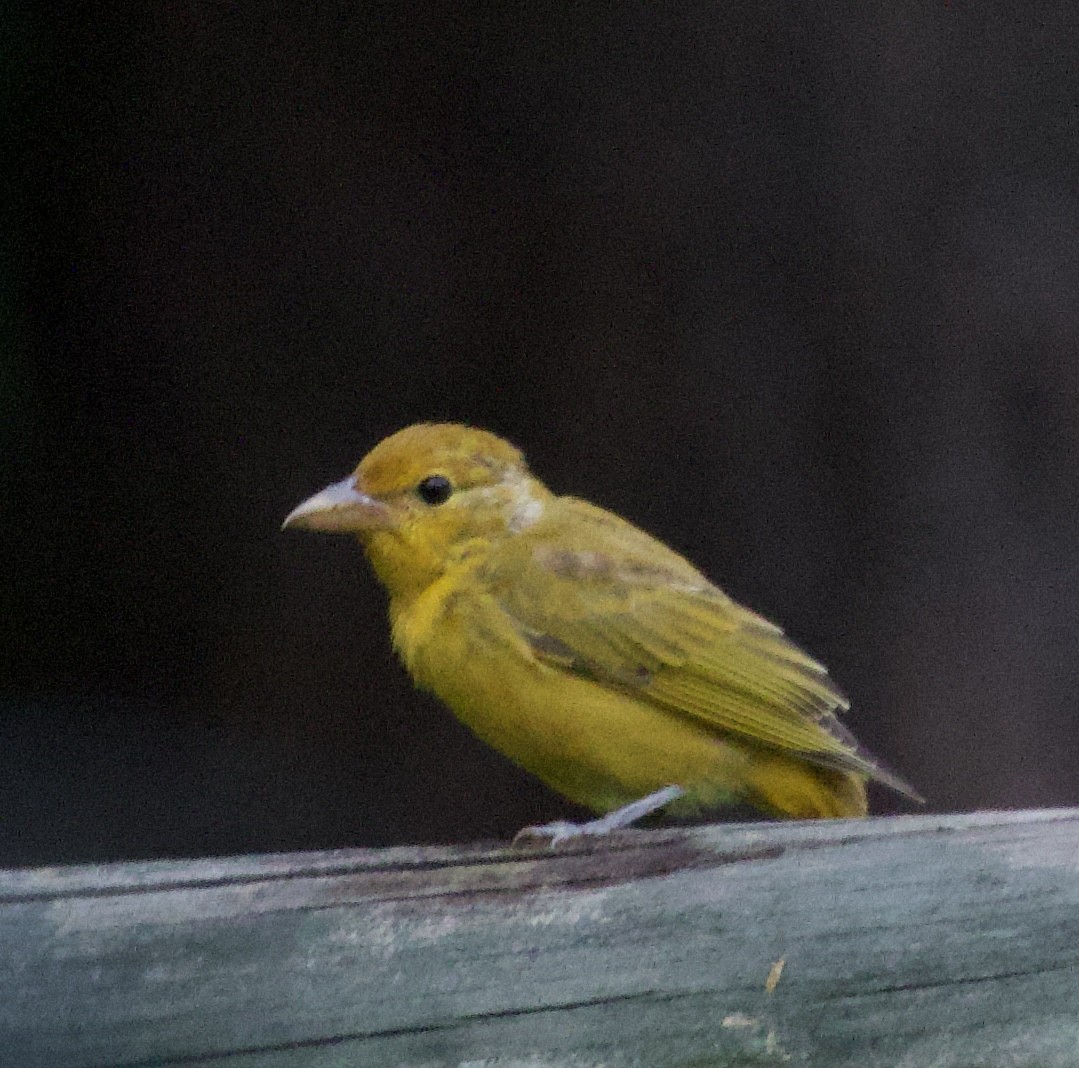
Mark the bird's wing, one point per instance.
(598, 597)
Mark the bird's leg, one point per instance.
(562, 830)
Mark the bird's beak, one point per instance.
(340, 508)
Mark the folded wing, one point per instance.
(612, 604)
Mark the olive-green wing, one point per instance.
(598, 597)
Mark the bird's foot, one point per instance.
(563, 830)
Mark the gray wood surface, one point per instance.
(917, 942)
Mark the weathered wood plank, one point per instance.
(927, 942)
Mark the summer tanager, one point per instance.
(584, 649)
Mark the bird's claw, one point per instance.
(563, 831)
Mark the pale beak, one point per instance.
(341, 509)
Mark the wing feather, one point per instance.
(613, 604)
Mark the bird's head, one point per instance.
(422, 498)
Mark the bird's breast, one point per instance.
(458, 643)
(447, 628)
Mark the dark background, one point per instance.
(791, 286)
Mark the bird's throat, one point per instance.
(403, 568)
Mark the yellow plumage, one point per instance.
(583, 648)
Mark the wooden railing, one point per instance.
(924, 942)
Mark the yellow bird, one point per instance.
(582, 648)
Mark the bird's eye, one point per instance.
(435, 489)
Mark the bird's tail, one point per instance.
(790, 787)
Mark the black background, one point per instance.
(791, 286)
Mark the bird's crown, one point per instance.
(463, 454)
